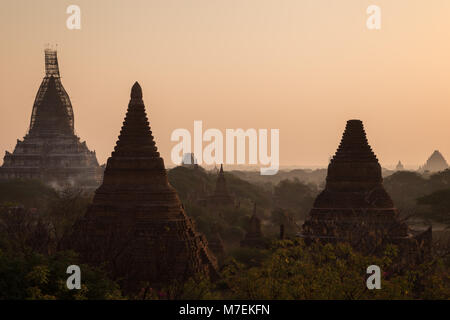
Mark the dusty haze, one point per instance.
(304, 67)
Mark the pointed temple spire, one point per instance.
(51, 63)
(136, 221)
(355, 169)
(354, 166)
(52, 110)
(435, 163)
(399, 166)
(354, 206)
(136, 91)
(221, 184)
(51, 151)
(221, 196)
(136, 137)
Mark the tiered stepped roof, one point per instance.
(354, 206)
(51, 151)
(136, 223)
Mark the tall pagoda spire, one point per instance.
(136, 137)
(52, 110)
(435, 163)
(354, 206)
(354, 166)
(136, 222)
(221, 196)
(51, 151)
(51, 63)
(354, 169)
(221, 184)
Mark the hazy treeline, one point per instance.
(34, 218)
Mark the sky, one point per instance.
(304, 67)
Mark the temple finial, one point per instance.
(51, 63)
(136, 91)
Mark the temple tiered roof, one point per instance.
(51, 151)
(354, 206)
(400, 166)
(354, 174)
(137, 212)
(52, 110)
(221, 197)
(435, 163)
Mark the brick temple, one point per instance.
(354, 206)
(136, 223)
(400, 166)
(435, 163)
(221, 196)
(51, 151)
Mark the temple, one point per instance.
(50, 151)
(136, 224)
(354, 207)
(435, 163)
(189, 161)
(220, 197)
(254, 237)
(400, 166)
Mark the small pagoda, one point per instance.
(435, 163)
(400, 166)
(189, 161)
(136, 225)
(354, 207)
(221, 196)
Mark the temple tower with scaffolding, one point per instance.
(51, 151)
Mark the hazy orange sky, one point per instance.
(304, 67)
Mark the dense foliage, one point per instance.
(37, 276)
(421, 196)
(294, 197)
(34, 218)
(293, 270)
(29, 193)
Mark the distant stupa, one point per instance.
(136, 224)
(435, 163)
(51, 151)
(354, 206)
(189, 160)
(399, 166)
(221, 196)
